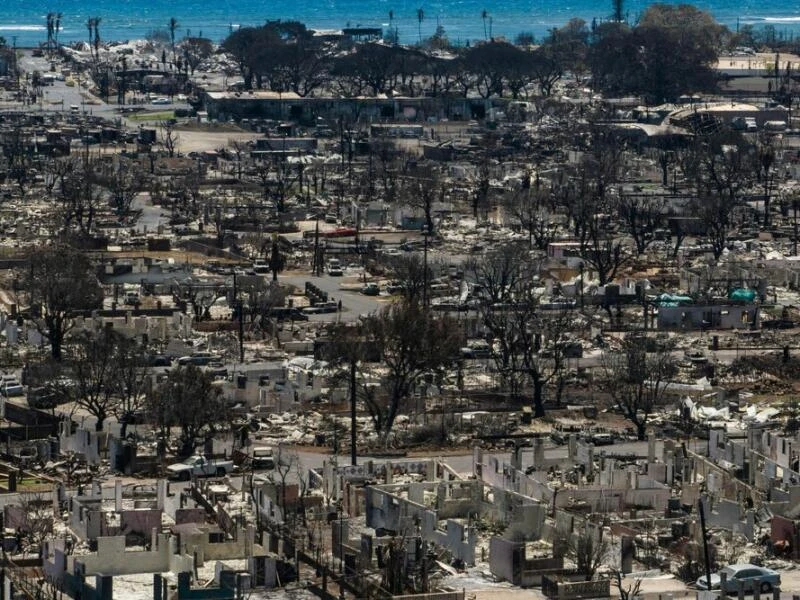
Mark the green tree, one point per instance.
(671, 51)
(438, 41)
(242, 45)
(372, 68)
(569, 46)
(282, 55)
(680, 46)
(493, 64)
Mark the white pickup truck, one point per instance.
(199, 466)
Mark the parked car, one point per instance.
(286, 313)
(159, 360)
(199, 466)
(476, 349)
(371, 289)
(778, 324)
(217, 371)
(47, 396)
(697, 357)
(602, 439)
(745, 573)
(322, 308)
(201, 359)
(11, 388)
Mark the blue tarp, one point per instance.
(742, 294)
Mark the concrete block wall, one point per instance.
(111, 558)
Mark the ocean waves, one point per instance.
(462, 19)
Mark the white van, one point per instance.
(262, 458)
(775, 126)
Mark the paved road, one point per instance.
(59, 96)
(354, 303)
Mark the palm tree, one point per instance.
(172, 26)
(420, 18)
(97, 36)
(50, 17)
(618, 10)
(90, 27)
(58, 26)
(484, 16)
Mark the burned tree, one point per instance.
(589, 549)
(720, 167)
(131, 380)
(531, 345)
(412, 274)
(124, 180)
(38, 520)
(765, 171)
(91, 357)
(169, 137)
(528, 206)
(421, 194)
(189, 400)
(642, 216)
(348, 352)
(76, 189)
(61, 283)
(637, 379)
(410, 342)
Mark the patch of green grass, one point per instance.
(156, 116)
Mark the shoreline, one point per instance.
(462, 27)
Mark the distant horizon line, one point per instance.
(31, 35)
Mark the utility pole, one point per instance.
(317, 266)
(425, 266)
(353, 457)
(705, 541)
(240, 310)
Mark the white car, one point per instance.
(11, 388)
(745, 573)
(161, 101)
(199, 466)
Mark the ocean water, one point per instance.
(130, 19)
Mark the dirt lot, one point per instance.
(203, 140)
